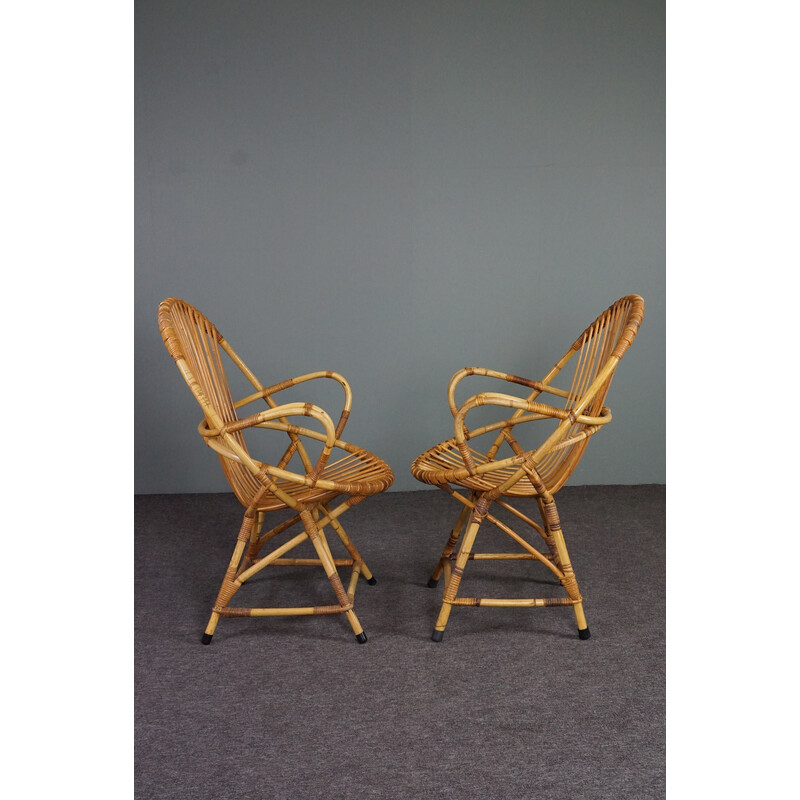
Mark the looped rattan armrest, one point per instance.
(537, 386)
(266, 394)
(536, 410)
(264, 419)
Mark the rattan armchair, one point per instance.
(480, 478)
(262, 487)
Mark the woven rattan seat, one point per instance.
(444, 463)
(362, 471)
(480, 477)
(348, 477)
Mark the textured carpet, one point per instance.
(510, 705)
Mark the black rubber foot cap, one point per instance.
(437, 636)
(433, 582)
(372, 581)
(207, 637)
(584, 634)
(361, 638)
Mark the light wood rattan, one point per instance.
(479, 478)
(198, 349)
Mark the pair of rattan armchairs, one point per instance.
(319, 489)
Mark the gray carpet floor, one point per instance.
(512, 704)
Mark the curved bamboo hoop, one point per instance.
(538, 410)
(266, 394)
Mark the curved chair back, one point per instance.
(197, 346)
(596, 353)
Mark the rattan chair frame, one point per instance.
(477, 479)
(197, 346)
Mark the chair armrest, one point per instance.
(536, 409)
(264, 420)
(266, 394)
(537, 386)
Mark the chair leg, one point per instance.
(449, 547)
(551, 544)
(229, 586)
(333, 576)
(251, 555)
(479, 512)
(351, 548)
(553, 527)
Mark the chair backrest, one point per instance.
(595, 353)
(197, 347)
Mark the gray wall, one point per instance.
(395, 190)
